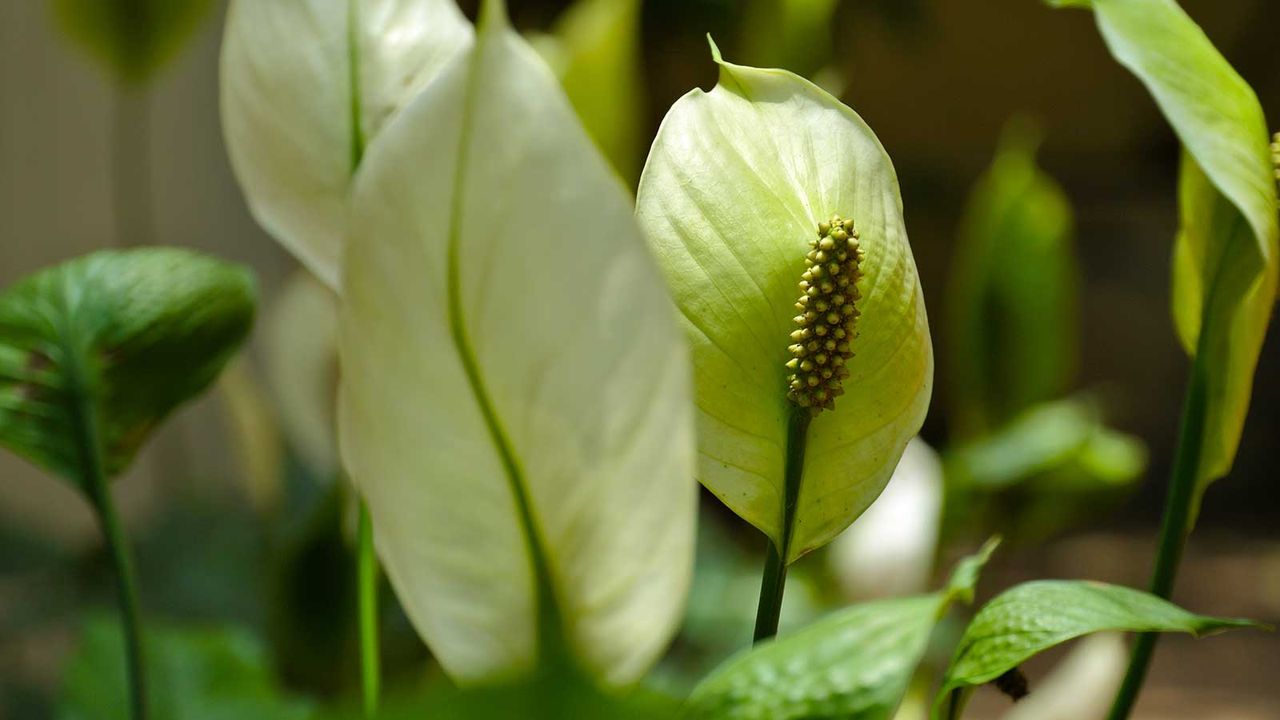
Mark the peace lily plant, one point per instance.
(776, 214)
(536, 370)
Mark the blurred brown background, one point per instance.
(936, 79)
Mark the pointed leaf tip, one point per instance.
(964, 579)
(715, 50)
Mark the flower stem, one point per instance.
(367, 583)
(1178, 515)
(94, 482)
(775, 567)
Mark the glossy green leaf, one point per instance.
(306, 86)
(1035, 616)
(514, 401)
(855, 663)
(595, 49)
(736, 183)
(132, 38)
(209, 674)
(1011, 301)
(125, 336)
(1225, 257)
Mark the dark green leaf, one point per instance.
(1036, 616)
(120, 336)
(855, 663)
(214, 674)
(132, 38)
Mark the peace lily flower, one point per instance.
(514, 403)
(306, 86)
(776, 214)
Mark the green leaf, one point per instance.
(595, 49)
(855, 663)
(132, 38)
(1045, 438)
(208, 674)
(1011, 300)
(306, 87)
(127, 336)
(1035, 616)
(735, 186)
(1225, 257)
(514, 401)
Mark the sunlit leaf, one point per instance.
(734, 189)
(1035, 616)
(855, 663)
(209, 674)
(514, 392)
(1011, 302)
(121, 338)
(1225, 257)
(595, 49)
(132, 38)
(889, 552)
(306, 86)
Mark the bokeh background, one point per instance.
(225, 538)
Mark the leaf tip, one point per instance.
(964, 579)
(715, 50)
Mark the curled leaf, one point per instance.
(306, 85)
(124, 336)
(736, 185)
(1226, 259)
(514, 398)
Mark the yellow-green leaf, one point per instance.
(514, 400)
(306, 85)
(735, 186)
(1226, 255)
(132, 38)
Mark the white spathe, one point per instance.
(506, 340)
(305, 85)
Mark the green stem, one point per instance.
(367, 581)
(775, 565)
(89, 446)
(1173, 533)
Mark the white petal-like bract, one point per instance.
(515, 396)
(306, 85)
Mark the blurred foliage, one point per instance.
(595, 49)
(206, 674)
(1011, 301)
(131, 38)
(114, 341)
(793, 34)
